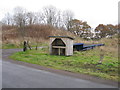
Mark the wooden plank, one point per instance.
(58, 47)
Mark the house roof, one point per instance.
(61, 37)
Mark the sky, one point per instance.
(95, 12)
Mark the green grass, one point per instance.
(13, 46)
(10, 46)
(85, 62)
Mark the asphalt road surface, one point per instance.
(19, 76)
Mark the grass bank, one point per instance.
(13, 46)
(85, 62)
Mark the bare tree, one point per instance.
(20, 16)
(50, 15)
(30, 18)
(7, 19)
(67, 16)
(39, 18)
(58, 21)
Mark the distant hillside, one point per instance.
(40, 33)
(33, 33)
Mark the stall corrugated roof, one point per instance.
(61, 37)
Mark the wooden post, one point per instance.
(58, 51)
(101, 56)
(36, 47)
(25, 46)
(28, 45)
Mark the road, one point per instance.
(20, 76)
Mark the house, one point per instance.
(61, 45)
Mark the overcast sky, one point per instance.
(93, 11)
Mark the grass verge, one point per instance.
(13, 46)
(85, 62)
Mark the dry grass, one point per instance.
(33, 33)
(39, 34)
